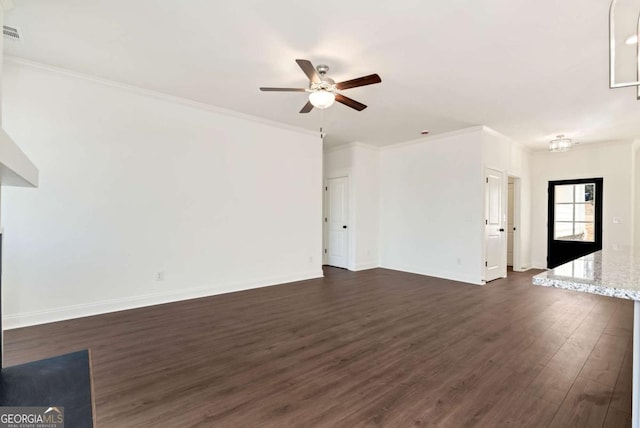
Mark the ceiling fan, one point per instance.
(323, 91)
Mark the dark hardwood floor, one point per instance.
(376, 347)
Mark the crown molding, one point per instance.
(463, 131)
(586, 146)
(350, 146)
(153, 94)
(511, 140)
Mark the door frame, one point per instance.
(598, 217)
(343, 173)
(517, 260)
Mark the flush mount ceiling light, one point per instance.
(623, 19)
(560, 144)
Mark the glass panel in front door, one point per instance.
(574, 212)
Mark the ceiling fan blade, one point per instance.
(309, 70)
(283, 89)
(360, 81)
(307, 107)
(350, 103)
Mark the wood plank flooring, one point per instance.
(371, 348)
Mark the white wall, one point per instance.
(526, 183)
(134, 183)
(431, 199)
(2, 14)
(636, 185)
(612, 161)
(359, 162)
(503, 154)
(16, 169)
(432, 202)
(367, 194)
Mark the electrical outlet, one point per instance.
(160, 276)
(310, 259)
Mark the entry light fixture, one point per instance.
(627, 20)
(560, 144)
(322, 98)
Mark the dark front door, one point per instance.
(575, 219)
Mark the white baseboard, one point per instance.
(453, 276)
(539, 264)
(366, 266)
(96, 308)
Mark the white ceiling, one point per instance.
(528, 69)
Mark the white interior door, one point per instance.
(337, 215)
(510, 222)
(495, 262)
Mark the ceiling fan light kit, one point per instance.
(324, 91)
(322, 98)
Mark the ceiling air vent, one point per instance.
(11, 33)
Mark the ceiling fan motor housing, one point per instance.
(322, 69)
(326, 83)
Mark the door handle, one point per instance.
(501, 230)
(344, 227)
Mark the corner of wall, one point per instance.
(360, 162)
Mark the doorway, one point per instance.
(336, 222)
(574, 219)
(513, 224)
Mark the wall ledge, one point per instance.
(15, 167)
